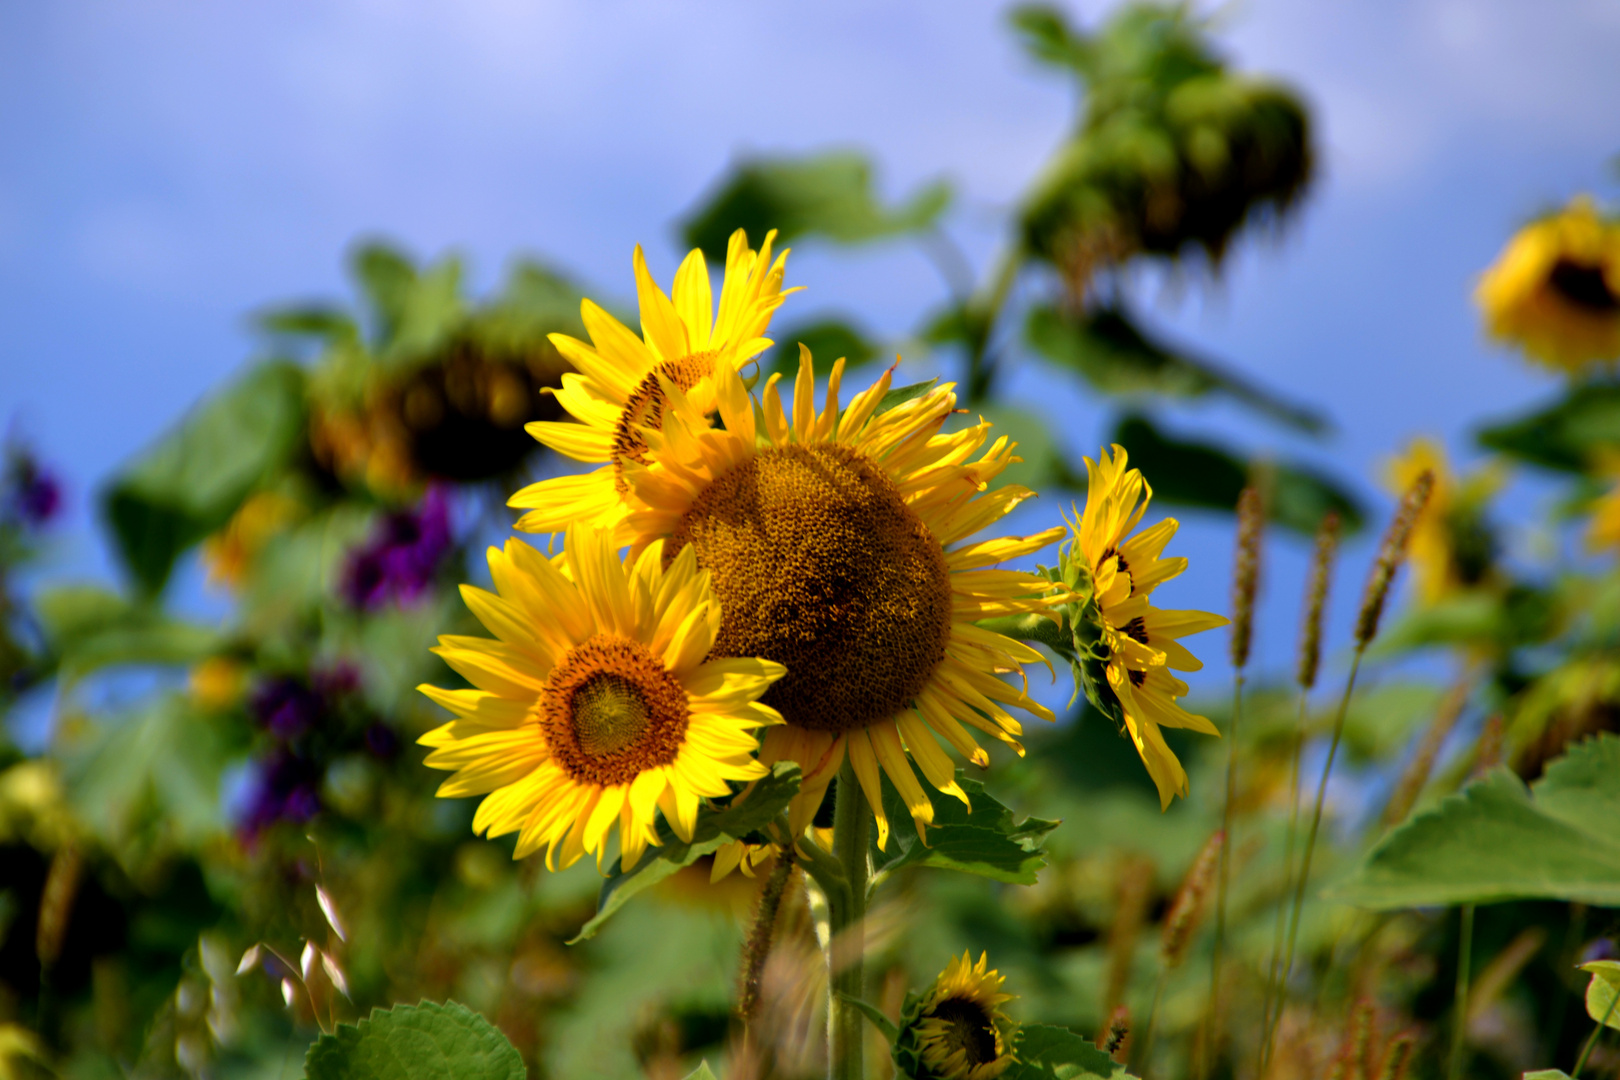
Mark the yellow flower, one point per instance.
(616, 395)
(217, 683)
(229, 554)
(595, 703)
(1603, 532)
(1429, 550)
(1140, 640)
(958, 1031)
(831, 538)
(1555, 289)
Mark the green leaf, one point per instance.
(88, 627)
(702, 1072)
(715, 827)
(1202, 474)
(902, 394)
(1565, 435)
(416, 1042)
(1048, 37)
(1497, 841)
(820, 195)
(1518, 616)
(194, 478)
(988, 841)
(1045, 1050)
(827, 340)
(1118, 357)
(320, 321)
(874, 1014)
(1547, 1074)
(1603, 992)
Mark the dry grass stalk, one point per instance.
(1316, 594)
(1390, 556)
(1133, 892)
(1417, 771)
(1246, 573)
(1191, 903)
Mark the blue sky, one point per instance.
(166, 168)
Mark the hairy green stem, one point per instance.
(1591, 1042)
(846, 940)
(1316, 824)
(1465, 955)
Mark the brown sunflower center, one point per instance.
(967, 1028)
(1585, 285)
(646, 408)
(611, 710)
(820, 565)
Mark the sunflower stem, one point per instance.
(1211, 1020)
(846, 940)
(757, 949)
(1591, 1042)
(1316, 824)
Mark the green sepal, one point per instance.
(716, 826)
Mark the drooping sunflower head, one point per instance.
(1128, 647)
(834, 539)
(595, 703)
(956, 1030)
(617, 393)
(1555, 289)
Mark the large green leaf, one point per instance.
(89, 627)
(1566, 435)
(987, 841)
(1497, 841)
(821, 195)
(1047, 1051)
(1203, 474)
(416, 1042)
(715, 827)
(192, 481)
(1117, 357)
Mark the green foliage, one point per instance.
(1603, 992)
(1193, 473)
(1048, 1051)
(1566, 435)
(416, 1042)
(826, 195)
(88, 627)
(715, 827)
(984, 839)
(194, 478)
(702, 1072)
(1497, 841)
(1117, 357)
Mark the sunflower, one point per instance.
(595, 702)
(957, 1030)
(1453, 546)
(832, 539)
(1138, 640)
(1555, 289)
(616, 393)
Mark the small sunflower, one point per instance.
(231, 553)
(957, 1031)
(1603, 531)
(595, 703)
(1555, 289)
(1453, 547)
(616, 393)
(1138, 641)
(833, 539)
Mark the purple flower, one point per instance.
(1599, 949)
(285, 707)
(401, 559)
(32, 495)
(381, 740)
(284, 788)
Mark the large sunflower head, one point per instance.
(957, 1031)
(1133, 646)
(616, 393)
(596, 702)
(835, 542)
(1555, 289)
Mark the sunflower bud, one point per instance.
(956, 1030)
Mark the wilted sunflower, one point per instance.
(616, 393)
(957, 1031)
(1555, 289)
(595, 702)
(1138, 640)
(831, 540)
